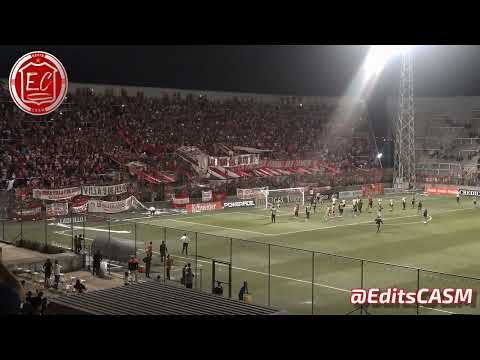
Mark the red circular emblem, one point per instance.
(38, 83)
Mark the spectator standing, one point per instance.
(148, 262)
(47, 268)
(185, 241)
(75, 244)
(79, 287)
(169, 264)
(189, 278)
(97, 259)
(163, 251)
(149, 249)
(243, 291)
(56, 273)
(184, 270)
(80, 243)
(218, 290)
(133, 267)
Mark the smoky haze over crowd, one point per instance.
(317, 70)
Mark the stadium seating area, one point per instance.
(91, 135)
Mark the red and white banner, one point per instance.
(57, 194)
(57, 209)
(96, 190)
(207, 196)
(201, 207)
(80, 209)
(441, 190)
(181, 200)
(29, 213)
(372, 189)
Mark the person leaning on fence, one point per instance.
(133, 267)
(163, 251)
(169, 264)
(185, 241)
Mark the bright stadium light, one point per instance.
(379, 55)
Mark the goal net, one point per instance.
(281, 197)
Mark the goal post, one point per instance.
(283, 196)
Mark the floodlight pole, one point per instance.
(404, 127)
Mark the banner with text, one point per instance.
(441, 190)
(57, 194)
(27, 214)
(111, 207)
(201, 207)
(98, 190)
(57, 209)
(207, 196)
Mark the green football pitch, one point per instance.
(288, 264)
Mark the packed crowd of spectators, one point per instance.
(90, 135)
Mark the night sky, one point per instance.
(277, 69)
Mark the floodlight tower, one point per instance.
(404, 126)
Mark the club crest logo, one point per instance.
(38, 83)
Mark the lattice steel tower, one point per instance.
(404, 151)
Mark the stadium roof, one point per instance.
(152, 298)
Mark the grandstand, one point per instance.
(447, 139)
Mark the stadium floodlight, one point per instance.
(379, 55)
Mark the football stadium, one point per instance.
(212, 202)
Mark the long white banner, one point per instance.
(57, 194)
(112, 207)
(98, 190)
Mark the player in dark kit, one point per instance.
(314, 206)
(296, 210)
(370, 203)
(378, 221)
(413, 202)
(404, 203)
(420, 206)
(274, 213)
(307, 211)
(425, 216)
(458, 197)
(360, 205)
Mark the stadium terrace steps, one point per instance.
(153, 298)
